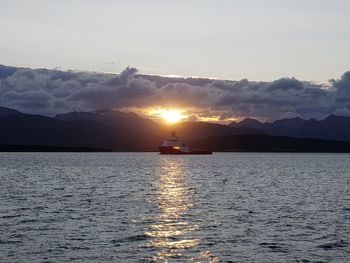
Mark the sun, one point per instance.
(172, 116)
(169, 115)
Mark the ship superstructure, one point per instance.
(173, 145)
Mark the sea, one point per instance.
(146, 207)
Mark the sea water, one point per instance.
(146, 207)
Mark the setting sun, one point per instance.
(172, 116)
(168, 115)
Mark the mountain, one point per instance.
(26, 129)
(331, 128)
(268, 143)
(195, 130)
(248, 123)
(43, 148)
(8, 112)
(105, 129)
(110, 118)
(119, 131)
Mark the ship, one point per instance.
(173, 145)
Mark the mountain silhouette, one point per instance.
(120, 131)
(8, 112)
(331, 128)
(110, 118)
(105, 129)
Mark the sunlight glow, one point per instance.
(171, 234)
(172, 116)
(168, 115)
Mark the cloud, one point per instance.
(342, 88)
(192, 117)
(49, 92)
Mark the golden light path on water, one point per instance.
(171, 234)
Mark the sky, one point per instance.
(50, 92)
(266, 59)
(234, 39)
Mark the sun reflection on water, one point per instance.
(173, 234)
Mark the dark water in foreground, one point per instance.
(141, 207)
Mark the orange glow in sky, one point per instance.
(168, 115)
(174, 115)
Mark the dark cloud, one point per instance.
(342, 88)
(285, 84)
(50, 92)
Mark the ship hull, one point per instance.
(171, 150)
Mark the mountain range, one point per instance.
(121, 131)
(331, 128)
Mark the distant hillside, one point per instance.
(119, 131)
(101, 129)
(8, 112)
(110, 118)
(268, 143)
(331, 128)
(41, 148)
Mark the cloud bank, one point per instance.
(49, 92)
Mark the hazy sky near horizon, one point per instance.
(233, 39)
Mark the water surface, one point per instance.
(144, 207)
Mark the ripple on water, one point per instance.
(143, 207)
